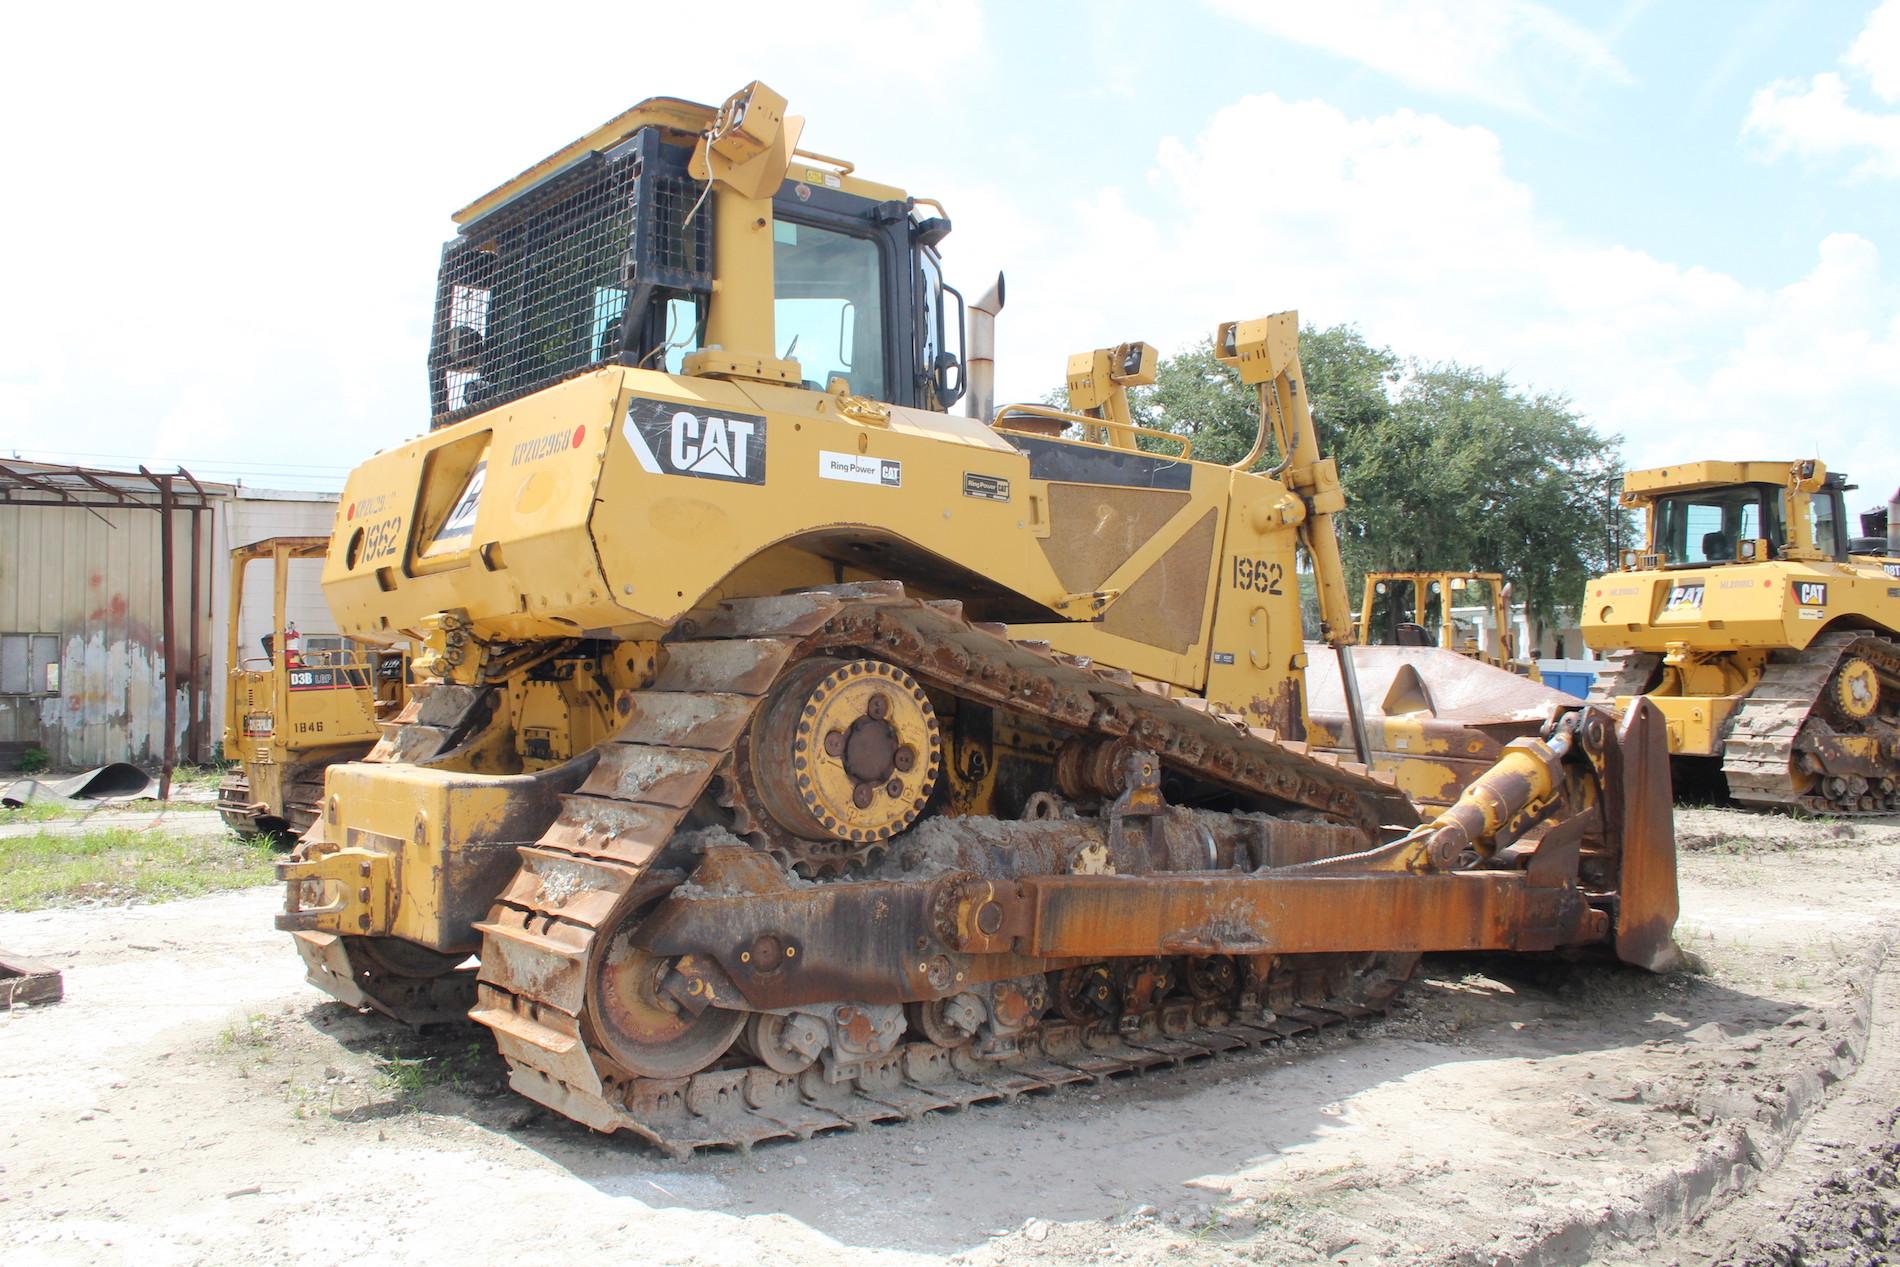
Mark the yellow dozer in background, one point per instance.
(1768, 645)
(795, 754)
(1465, 612)
(295, 710)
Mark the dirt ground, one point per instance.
(193, 1101)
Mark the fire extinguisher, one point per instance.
(293, 646)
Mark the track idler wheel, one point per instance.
(845, 751)
(1856, 690)
(1210, 977)
(640, 1025)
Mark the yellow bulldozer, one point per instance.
(795, 754)
(1767, 643)
(1422, 609)
(295, 710)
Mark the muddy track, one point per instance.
(304, 802)
(1624, 673)
(1778, 729)
(590, 875)
(1798, 1207)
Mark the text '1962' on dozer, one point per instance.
(792, 753)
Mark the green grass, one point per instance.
(36, 812)
(460, 1069)
(48, 869)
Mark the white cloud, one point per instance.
(1508, 53)
(224, 235)
(1413, 228)
(1875, 53)
(1815, 118)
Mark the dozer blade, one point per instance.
(1638, 809)
(1435, 720)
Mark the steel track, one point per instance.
(1759, 756)
(589, 870)
(302, 806)
(1625, 673)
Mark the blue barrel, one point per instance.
(1577, 684)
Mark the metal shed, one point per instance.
(84, 607)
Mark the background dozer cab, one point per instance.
(1769, 648)
(294, 710)
(794, 754)
(1465, 612)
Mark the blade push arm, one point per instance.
(1266, 354)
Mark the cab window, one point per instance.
(829, 307)
(1705, 527)
(1394, 603)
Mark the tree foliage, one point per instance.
(1445, 466)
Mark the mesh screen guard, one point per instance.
(572, 273)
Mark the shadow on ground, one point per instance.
(949, 1180)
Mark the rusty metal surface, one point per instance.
(883, 941)
(1095, 917)
(588, 866)
(1435, 720)
(1638, 800)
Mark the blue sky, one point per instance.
(1682, 216)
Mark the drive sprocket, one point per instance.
(845, 755)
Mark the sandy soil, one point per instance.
(193, 1101)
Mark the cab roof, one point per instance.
(684, 121)
(1692, 476)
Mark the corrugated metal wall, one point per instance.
(91, 579)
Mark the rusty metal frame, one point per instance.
(1104, 917)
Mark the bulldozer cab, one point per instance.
(1713, 513)
(604, 254)
(1465, 612)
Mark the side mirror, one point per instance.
(947, 373)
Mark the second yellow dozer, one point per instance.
(1768, 645)
(793, 754)
(291, 713)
